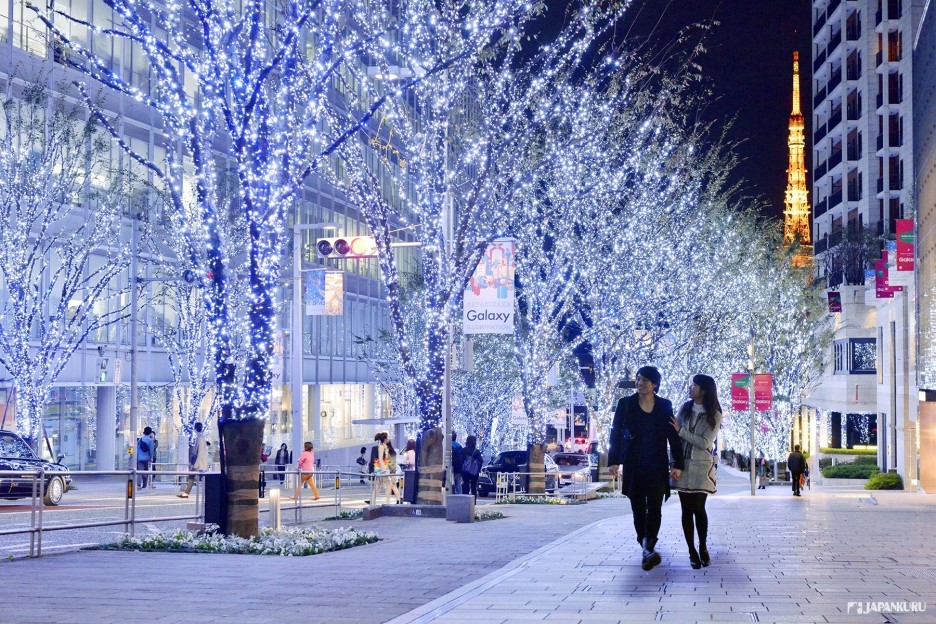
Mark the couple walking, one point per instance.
(643, 425)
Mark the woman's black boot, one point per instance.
(694, 560)
(651, 558)
(704, 556)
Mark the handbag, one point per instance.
(802, 480)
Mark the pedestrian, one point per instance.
(306, 468)
(146, 449)
(409, 455)
(393, 469)
(457, 459)
(199, 459)
(762, 473)
(796, 464)
(362, 462)
(471, 466)
(639, 435)
(698, 424)
(282, 459)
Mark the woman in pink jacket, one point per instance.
(306, 465)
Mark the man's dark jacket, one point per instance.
(647, 464)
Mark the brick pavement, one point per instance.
(775, 559)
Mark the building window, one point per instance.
(862, 356)
(855, 356)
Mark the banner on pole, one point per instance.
(883, 290)
(835, 301)
(905, 244)
(740, 386)
(489, 296)
(324, 294)
(763, 392)
(517, 411)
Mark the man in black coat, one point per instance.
(639, 436)
(796, 464)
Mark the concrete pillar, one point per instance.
(106, 427)
(297, 420)
(314, 409)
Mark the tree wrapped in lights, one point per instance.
(458, 151)
(255, 82)
(59, 265)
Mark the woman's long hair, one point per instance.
(709, 399)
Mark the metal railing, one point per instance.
(509, 485)
(37, 525)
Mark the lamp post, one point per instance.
(296, 357)
(751, 399)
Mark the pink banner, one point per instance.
(763, 391)
(905, 243)
(740, 385)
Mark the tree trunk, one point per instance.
(431, 468)
(537, 466)
(241, 442)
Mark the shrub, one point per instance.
(849, 471)
(885, 481)
(825, 450)
(865, 459)
(825, 462)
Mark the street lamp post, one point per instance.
(296, 357)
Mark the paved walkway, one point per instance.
(776, 558)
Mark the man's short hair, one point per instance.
(796, 447)
(147, 430)
(651, 374)
(199, 427)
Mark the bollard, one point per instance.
(275, 509)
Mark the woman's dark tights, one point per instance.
(693, 508)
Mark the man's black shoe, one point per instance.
(651, 558)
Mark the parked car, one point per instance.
(571, 465)
(15, 454)
(513, 461)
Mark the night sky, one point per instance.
(749, 63)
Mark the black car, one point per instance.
(15, 454)
(512, 461)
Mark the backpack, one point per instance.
(143, 446)
(471, 466)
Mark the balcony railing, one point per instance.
(853, 71)
(835, 198)
(854, 192)
(820, 208)
(820, 171)
(835, 159)
(880, 142)
(835, 119)
(854, 152)
(853, 31)
(817, 99)
(853, 111)
(821, 245)
(817, 62)
(832, 6)
(834, 42)
(880, 100)
(835, 80)
(880, 185)
(820, 133)
(820, 22)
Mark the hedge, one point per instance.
(850, 471)
(825, 450)
(885, 481)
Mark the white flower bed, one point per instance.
(292, 542)
(487, 514)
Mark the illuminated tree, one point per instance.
(61, 254)
(255, 80)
